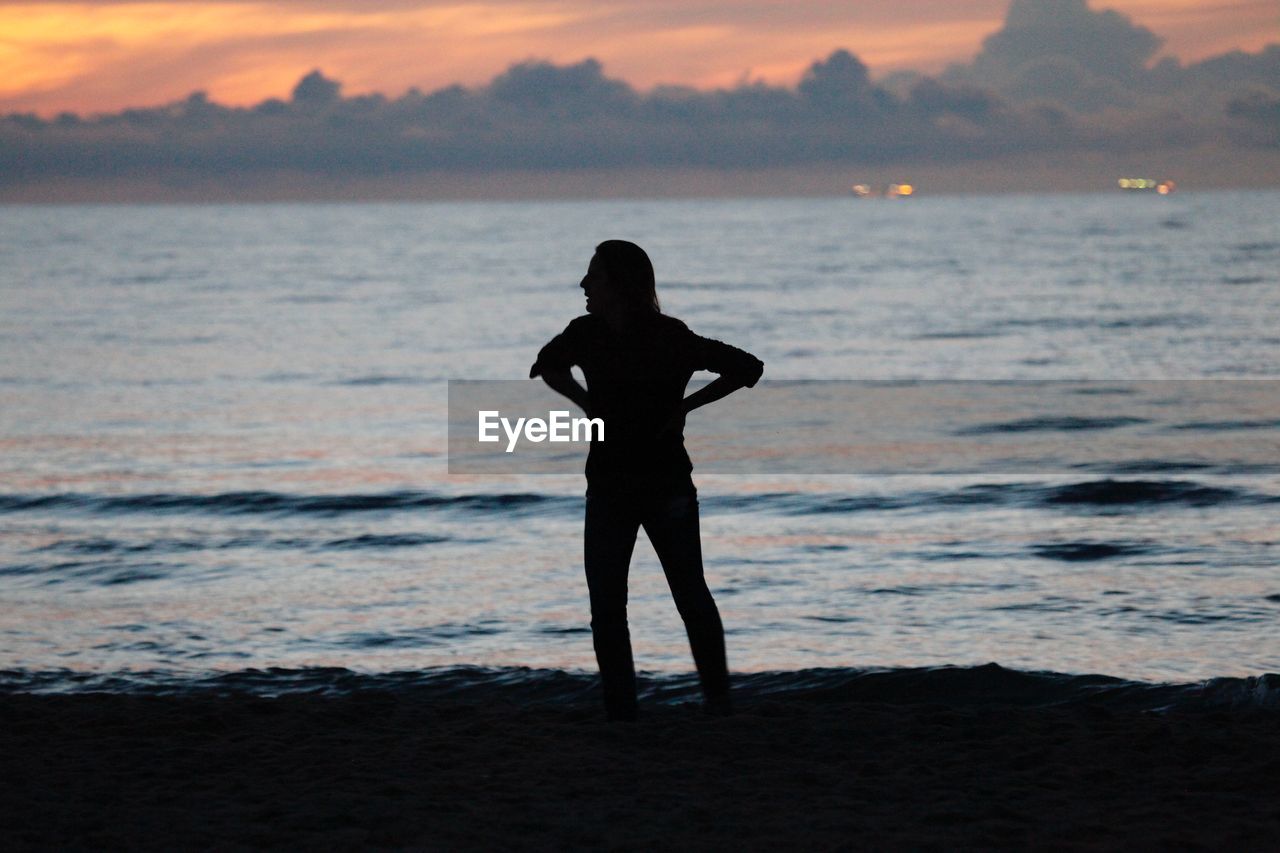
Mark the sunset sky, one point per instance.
(101, 56)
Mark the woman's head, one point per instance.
(621, 275)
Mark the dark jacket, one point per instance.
(636, 382)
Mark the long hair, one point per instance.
(630, 270)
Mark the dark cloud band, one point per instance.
(1057, 77)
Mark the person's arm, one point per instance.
(736, 368)
(721, 386)
(561, 380)
(554, 361)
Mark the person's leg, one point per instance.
(608, 541)
(672, 526)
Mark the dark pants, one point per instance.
(671, 523)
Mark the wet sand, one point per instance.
(378, 770)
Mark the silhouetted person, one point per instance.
(637, 362)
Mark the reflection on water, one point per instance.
(238, 460)
(1157, 591)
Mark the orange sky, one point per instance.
(99, 56)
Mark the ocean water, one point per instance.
(223, 439)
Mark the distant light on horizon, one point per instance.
(1163, 187)
(890, 191)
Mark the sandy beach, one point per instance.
(378, 770)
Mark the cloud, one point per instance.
(95, 55)
(1034, 31)
(1066, 53)
(1058, 78)
(317, 89)
(1258, 117)
(578, 89)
